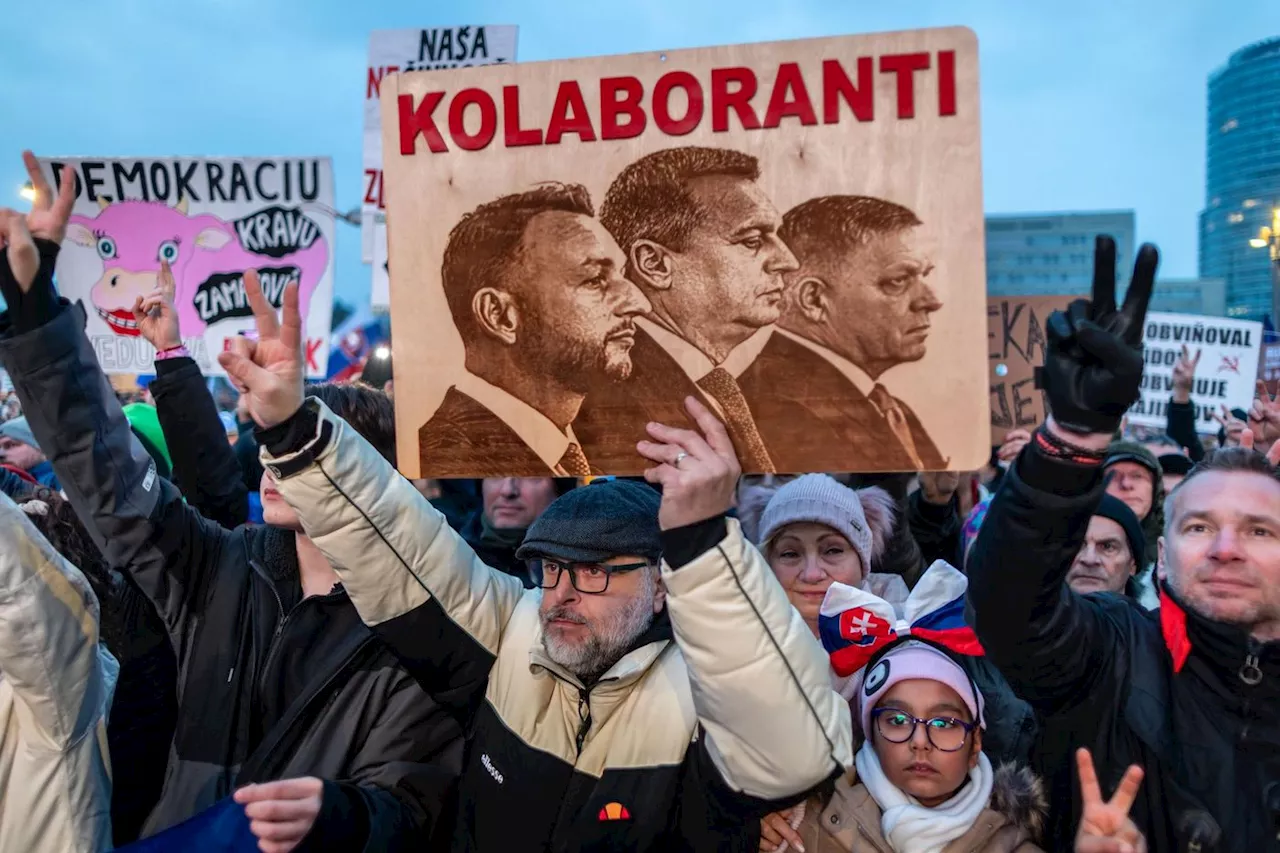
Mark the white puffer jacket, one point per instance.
(56, 684)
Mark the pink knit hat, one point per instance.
(912, 659)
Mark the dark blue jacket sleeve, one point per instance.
(205, 467)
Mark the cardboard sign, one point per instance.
(392, 51)
(1226, 375)
(790, 232)
(1016, 341)
(211, 219)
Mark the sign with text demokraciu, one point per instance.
(432, 49)
(211, 219)
(1226, 375)
(790, 231)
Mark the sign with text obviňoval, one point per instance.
(1226, 375)
(789, 232)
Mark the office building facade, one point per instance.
(1031, 254)
(1242, 176)
(1190, 296)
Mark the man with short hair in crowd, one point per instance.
(1191, 693)
(658, 692)
(285, 697)
(509, 506)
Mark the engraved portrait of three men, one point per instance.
(584, 316)
(782, 324)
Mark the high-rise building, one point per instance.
(1052, 253)
(1242, 176)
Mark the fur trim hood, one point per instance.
(1018, 795)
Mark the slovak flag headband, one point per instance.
(854, 624)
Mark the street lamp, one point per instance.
(27, 192)
(1269, 237)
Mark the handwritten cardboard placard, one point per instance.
(791, 232)
(1016, 341)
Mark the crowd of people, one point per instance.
(236, 626)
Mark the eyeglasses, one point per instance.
(587, 578)
(945, 733)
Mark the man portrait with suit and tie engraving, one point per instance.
(535, 288)
(701, 241)
(858, 305)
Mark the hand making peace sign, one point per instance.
(269, 371)
(1105, 827)
(1249, 442)
(1264, 416)
(46, 220)
(1093, 361)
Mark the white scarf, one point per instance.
(912, 828)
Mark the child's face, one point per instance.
(918, 767)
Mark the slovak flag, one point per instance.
(351, 344)
(855, 624)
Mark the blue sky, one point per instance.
(1086, 105)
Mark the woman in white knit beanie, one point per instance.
(815, 532)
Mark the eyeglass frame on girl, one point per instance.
(916, 721)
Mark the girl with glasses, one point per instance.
(921, 783)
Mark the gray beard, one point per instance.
(594, 656)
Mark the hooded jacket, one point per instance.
(849, 820)
(270, 686)
(714, 719)
(1195, 703)
(55, 689)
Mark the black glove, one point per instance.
(1092, 369)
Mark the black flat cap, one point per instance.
(593, 523)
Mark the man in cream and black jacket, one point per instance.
(636, 701)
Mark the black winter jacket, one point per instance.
(1100, 672)
(229, 600)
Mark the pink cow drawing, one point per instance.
(205, 254)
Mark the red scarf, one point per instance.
(1173, 625)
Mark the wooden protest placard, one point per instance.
(791, 232)
(1226, 375)
(1016, 340)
